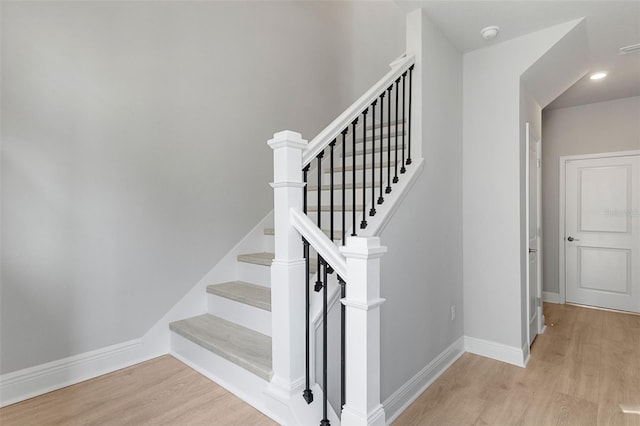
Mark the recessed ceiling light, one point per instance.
(598, 75)
(489, 33)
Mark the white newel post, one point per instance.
(288, 267)
(363, 332)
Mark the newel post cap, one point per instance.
(363, 248)
(287, 138)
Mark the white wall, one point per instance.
(134, 151)
(493, 161)
(587, 129)
(422, 271)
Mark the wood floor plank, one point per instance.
(581, 369)
(162, 391)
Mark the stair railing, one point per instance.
(356, 263)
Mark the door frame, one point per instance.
(530, 138)
(562, 289)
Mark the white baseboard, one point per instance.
(498, 351)
(551, 297)
(33, 381)
(395, 404)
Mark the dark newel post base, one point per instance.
(402, 169)
(318, 286)
(408, 161)
(372, 212)
(380, 200)
(363, 224)
(325, 422)
(388, 190)
(395, 179)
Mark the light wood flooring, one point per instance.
(581, 369)
(162, 391)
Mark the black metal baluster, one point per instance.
(410, 117)
(381, 198)
(318, 285)
(363, 224)
(373, 158)
(404, 76)
(395, 166)
(325, 420)
(343, 344)
(388, 189)
(332, 145)
(307, 394)
(353, 176)
(344, 183)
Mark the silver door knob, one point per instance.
(572, 239)
(533, 250)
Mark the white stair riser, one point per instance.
(245, 315)
(325, 196)
(359, 161)
(255, 274)
(235, 379)
(337, 217)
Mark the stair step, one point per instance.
(385, 124)
(385, 136)
(336, 208)
(265, 259)
(244, 347)
(358, 167)
(337, 234)
(247, 293)
(339, 186)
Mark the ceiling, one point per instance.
(609, 25)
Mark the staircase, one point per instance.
(232, 342)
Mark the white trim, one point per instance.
(398, 401)
(344, 120)
(550, 297)
(562, 162)
(498, 351)
(318, 240)
(33, 381)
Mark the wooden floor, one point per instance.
(162, 391)
(581, 369)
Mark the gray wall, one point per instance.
(134, 149)
(422, 271)
(587, 129)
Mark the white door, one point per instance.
(534, 288)
(602, 232)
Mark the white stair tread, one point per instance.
(243, 292)
(265, 259)
(242, 346)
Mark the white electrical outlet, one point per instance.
(453, 312)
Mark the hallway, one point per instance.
(581, 369)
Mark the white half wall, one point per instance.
(493, 164)
(587, 129)
(422, 270)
